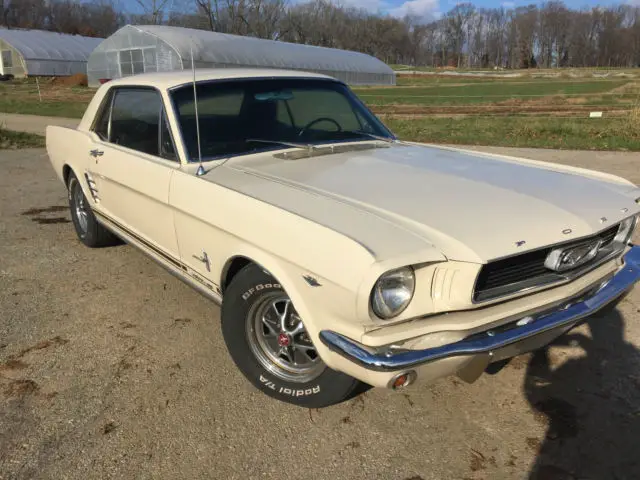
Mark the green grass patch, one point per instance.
(21, 96)
(47, 108)
(484, 92)
(427, 80)
(560, 133)
(13, 140)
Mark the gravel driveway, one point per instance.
(111, 368)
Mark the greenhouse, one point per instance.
(155, 48)
(38, 52)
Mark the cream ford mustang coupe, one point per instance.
(341, 256)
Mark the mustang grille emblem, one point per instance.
(566, 258)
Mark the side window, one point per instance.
(135, 120)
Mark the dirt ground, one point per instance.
(111, 368)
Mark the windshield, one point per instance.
(239, 117)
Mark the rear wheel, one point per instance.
(89, 231)
(270, 345)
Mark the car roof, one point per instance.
(167, 80)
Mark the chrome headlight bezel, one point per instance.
(393, 292)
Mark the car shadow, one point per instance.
(591, 404)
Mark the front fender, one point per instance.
(325, 305)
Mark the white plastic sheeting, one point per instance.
(38, 52)
(152, 48)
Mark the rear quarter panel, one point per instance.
(67, 146)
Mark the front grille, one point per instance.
(520, 272)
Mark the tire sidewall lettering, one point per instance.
(291, 392)
(260, 287)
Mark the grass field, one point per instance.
(482, 110)
(21, 96)
(575, 134)
(12, 140)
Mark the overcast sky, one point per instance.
(427, 9)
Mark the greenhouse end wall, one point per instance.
(41, 52)
(11, 62)
(152, 48)
(130, 52)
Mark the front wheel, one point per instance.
(268, 342)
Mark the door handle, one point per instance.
(96, 153)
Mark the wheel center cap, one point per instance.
(284, 340)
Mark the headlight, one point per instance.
(626, 230)
(393, 292)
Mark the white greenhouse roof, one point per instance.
(215, 50)
(222, 48)
(43, 45)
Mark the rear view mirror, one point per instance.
(274, 96)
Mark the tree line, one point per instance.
(545, 35)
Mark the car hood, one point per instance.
(471, 206)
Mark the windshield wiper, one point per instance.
(306, 146)
(371, 135)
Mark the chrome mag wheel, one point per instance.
(278, 339)
(80, 208)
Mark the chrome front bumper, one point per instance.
(495, 340)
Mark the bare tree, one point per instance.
(154, 10)
(211, 10)
(551, 35)
(458, 19)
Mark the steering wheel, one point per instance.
(318, 120)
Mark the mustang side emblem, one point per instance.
(566, 258)
(311, 281)
(520, 243)
(204, 259)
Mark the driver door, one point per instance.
(132, 160)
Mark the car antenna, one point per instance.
(200, 170)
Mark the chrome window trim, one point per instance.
(105, 103)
